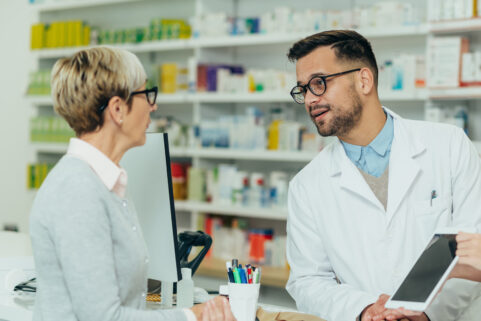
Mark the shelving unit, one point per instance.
(232, 50)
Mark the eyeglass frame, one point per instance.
(323, 78)
(146, 92)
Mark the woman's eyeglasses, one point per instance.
(150, 95)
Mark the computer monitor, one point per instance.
(150, 188)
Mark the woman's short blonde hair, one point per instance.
(81, 84)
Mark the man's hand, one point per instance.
(375, 309)
(216, 309)
(469, 249)
(377, 312)
(401, 314)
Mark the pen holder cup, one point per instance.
(243, 300)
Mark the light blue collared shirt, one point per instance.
(373, 158)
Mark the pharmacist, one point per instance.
(363, 209)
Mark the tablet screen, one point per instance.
(428, 270)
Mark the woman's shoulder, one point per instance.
(70, 187)
(71, 179)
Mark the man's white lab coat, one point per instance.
(337, 228)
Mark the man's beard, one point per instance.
(341, 122)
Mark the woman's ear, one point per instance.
(366, 80)
(116, 109)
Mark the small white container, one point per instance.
(185, 289)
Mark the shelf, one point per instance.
(271, 276)
(395, 31)
(416, 95)
(40, 100)
(50, 148)
(241, 98)
(233, 210)
(74, 4)
(265, 97)
(230, 41)
(264, 155)
(213, 153)
(460, 93)
(148, 46)
(281, 38)
(261, 155)
(454, 26)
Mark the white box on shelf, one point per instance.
(444, 60)
(468, 73)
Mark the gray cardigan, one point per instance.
(90, 256)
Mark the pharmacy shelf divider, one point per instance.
(208, 153)
(49, 6)
(455, 26)
(461, 93)
(258, 97)
(230, 41)
(274, 213)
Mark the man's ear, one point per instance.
(366, 81)
(116, 110)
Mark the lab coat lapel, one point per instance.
(350, 177)
(403, 166)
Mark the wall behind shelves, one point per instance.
(15, 64)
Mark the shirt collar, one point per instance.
(112, 176)
(380, 144)
(383, 140)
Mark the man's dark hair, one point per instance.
(348, 45)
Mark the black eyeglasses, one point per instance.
(317, 86)
(150, 94)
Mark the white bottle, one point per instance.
(185, 289)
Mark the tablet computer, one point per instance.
(428, 274)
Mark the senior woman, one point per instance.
(90, 263)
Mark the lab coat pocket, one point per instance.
(433, 214)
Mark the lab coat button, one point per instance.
(134, 228)
(124, 203)
(146, 260)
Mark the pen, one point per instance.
(433, 196)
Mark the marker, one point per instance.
(237, 278)
(230, 275)
(255, 276)
(242, 273)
